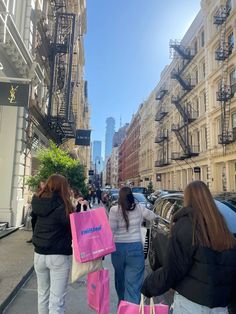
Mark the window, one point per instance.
(234, 125)
(202, 39)
(231, 42)
(157, 207)
(198, 140)
(195, 47)
(204, 101)
(232, 77)
(234, 120)
(205, 133)
(204, 70)
(170, 206)
(196, 76)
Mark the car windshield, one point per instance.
(138, 190)
(229, 215)
(112, 191)
(228, 199)
(115, 196)
(140, 197)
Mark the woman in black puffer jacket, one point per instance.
(200, 263)
(52, 241)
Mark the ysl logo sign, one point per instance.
(12, 94)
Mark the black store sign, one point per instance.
(82, 137)
(197, 169)
(14, 94)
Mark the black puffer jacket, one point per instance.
(200, 274)
(52, 233)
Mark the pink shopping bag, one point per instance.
(98, 291)
(131, 308)
(91, 234)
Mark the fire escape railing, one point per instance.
(60, 113)
(224, 93)
(187, 113)
(162, 140)
(182, 133)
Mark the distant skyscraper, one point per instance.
(110, 131)
(97, 155)
(119, 135)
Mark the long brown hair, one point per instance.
(209, 227)
(126, 202)
(57, 183)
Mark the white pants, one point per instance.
(52, 277)
(182, 305)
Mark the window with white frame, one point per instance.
(234, 125)
(203, 69)
(231, 42)
(195, 47)
(232, 79)
(202, 39)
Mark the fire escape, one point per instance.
(224, 93)
(187, 113)
(60, 114)
(162, 136)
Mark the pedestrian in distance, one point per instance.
(33, 216)
(99, 194)
(93, 194)
(200, 263)
(128, 259)
(82, 204)
(52, 242)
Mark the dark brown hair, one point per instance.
(40, 186)
(57, 183)
(209, 227)
(126, 203)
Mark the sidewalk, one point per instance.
(25, 301)
(18, 293)
(16, 264)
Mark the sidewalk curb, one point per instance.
(14, 292)
(6, 232)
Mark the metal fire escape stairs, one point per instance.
(162, 136)
(186, 111)
(224, 93)
(60, 113)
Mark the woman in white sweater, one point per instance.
(128, 259)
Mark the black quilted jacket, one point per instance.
(200, 274)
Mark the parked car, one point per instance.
(165, 206)
(139, 198)
(106, 196)
(155, 195)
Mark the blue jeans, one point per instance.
(182, 305)
(128, 262)
(52, 278)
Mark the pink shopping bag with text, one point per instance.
(91, 234)
(131, 308)
(98, 291)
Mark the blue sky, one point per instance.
(126, 48)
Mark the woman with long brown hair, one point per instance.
(200, 263)
(128, 259)
(52, 241)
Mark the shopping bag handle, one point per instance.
(141, 305)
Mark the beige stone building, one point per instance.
(114, 167)
(196, 106)
(43, 96)
(147, 133)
